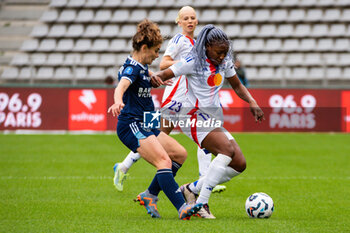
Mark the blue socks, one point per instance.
(154, 187)
(175, 167)
(171, 189)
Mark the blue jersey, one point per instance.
(137, 98)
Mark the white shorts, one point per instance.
(198, 123)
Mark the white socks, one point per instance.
(215, 173)
(129, 161)
(229, 174)
(197, 185)
(204, 160)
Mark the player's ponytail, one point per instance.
(209, 35)
(147, 33)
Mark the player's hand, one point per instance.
(169, 82)
(156, 81)
(116, 108)
(257, 112)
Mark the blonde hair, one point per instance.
(180, 12)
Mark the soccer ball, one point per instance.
(259, 205)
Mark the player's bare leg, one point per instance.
(121, 169)
(220, 169)
(167, 127)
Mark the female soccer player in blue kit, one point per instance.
(132, 98)
(174, 95)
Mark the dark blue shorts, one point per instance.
(131, 131)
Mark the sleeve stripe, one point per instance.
(188, 59)
(178, 38)
(126, 78)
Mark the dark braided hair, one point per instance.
(208, 36)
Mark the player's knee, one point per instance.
(227, 149)
(180, 155)
(238, 161)
(183, 153)
(241, 164)
(163, 162)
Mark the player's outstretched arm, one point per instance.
(168, 82)
(158, 78)
(166, 62)
(118, 97)
(244, 94)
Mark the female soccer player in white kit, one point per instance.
(174, 96)
(209, 62)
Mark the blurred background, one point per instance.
(280, 43)
(59, 60)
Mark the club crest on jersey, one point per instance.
(179, 64)
(128, 70)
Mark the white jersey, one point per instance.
(179, 47)
(203, 89)
(203, 104)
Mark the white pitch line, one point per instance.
(110, 177)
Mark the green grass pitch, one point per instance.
(63, 183)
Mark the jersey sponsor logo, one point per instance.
(128, 70)
(215, 79)
(87, 110)
(151, 119)
(144, 92)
